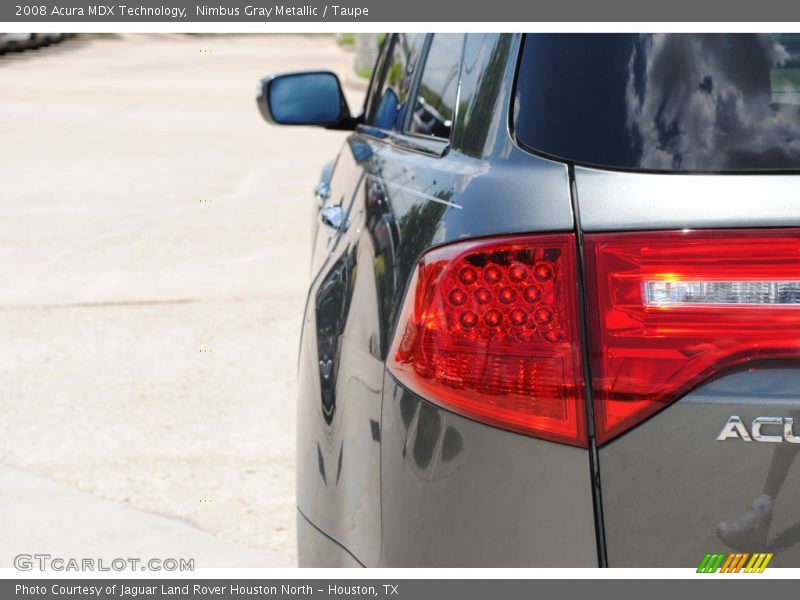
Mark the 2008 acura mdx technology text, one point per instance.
(554, 317)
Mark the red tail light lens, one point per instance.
(670, 309)
(489, 330)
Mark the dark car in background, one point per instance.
(17, 42)
(554, 317)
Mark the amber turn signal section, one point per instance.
(489, 330)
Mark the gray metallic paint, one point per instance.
(616, 201)
(668, 482)
(398, 481)
(355, 481)
(319, 550)
(459, 493)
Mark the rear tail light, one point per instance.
(489, 330)
(670, 309)
(750, 293)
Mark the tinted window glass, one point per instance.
(680, 102)
(388, 108)
(438, 87)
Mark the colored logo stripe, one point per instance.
(758, 563)
(734, 562)
(710, 563)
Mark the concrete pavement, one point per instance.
(85, 526)
(154, 262)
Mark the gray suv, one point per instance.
(554, 318)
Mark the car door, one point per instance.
(340, 370)
(337, 184)
(332, 197)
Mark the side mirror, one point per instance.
(304, 98)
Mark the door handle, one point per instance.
(332, 217)
(321, 193)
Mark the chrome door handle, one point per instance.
(321, 193)
(332, 217)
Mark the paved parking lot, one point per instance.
(154, 261)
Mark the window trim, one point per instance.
(378, 75)
(436, 147)
(412, 93)
(377, 86)
(423, 62)
(430, 146)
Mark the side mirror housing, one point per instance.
(304, 98)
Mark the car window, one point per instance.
(388, 108)
(662, 102)
(435, 104)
